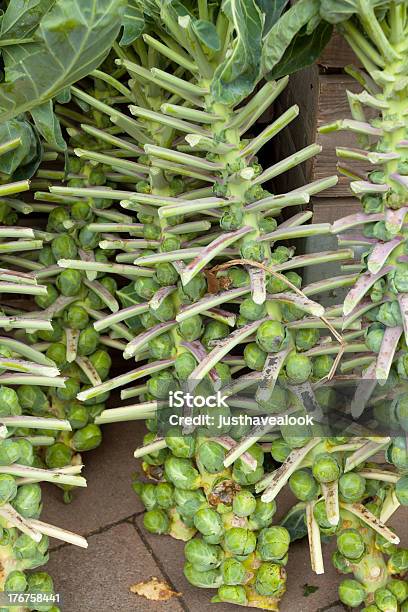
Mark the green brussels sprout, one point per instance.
(191, 329)
(58, 455)
(203, 556)
(87, 239)
(26, 452)
(267, 225)
(242, 474)
(297, 435)
(9, 402)
(77, 415)
(244, 503)
(399, 588)
(401, 411)
(28, 500)
(209, 523)
(252, 311)
(171, 243)
(270, 580)
(277, 402)
(69, 282)
(351, 544)
(305, 339)
(43, 301)
(88, 341)
(254, 356)
(211, 455)
(64, 247)
(8, 488)
(70, 391)
(374, 337)
(280, 450)
(210, 579)
(385, 600)
(397, 278)
(231, 219)
(381, 232)
(146, 319)
(273, 543)
(401, 490)
(56, 219)
(271, 336)
(341, 564)
(303, 485)
(398, 455)
(57, 353)
(161, 383)
(370, 608)
(40, 582)
(194, 289)
(181, 473)
(76, 317)
(161, 347)
(166, 311)
(351, 593)
(9, 451)
(390, 314)
(237, 277)
(52, 336)
(281, 254)
(164, 495)
(184, 365)
(224, 372)
(319, 512)
(402, 366)
(298, 368)
(81, 211)
(322, 366)
(180, 445)
(45, 257)
(156, 521)
(239, 541)
(87, 438)
(156, 457)
(188, 503)
(102, 362)
(231, 594)
(398, 561)
(233, 571)
(214, 330)
(255, 250)
(372, 203)
(147, 494)
(151, 231)
(352, 487)
(262, 515)
(326, 468)
(15, 582)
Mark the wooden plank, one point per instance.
(337, 54)
(328, 210)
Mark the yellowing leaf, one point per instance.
(154, 590)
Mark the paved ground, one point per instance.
(121, 553)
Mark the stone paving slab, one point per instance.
(108, 497)
(99, 579)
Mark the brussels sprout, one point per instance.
(57, 353)
(40, 582)
(147, 494)
(233, 571)
(28, 500)
(160, 384)
(352, 487)
(263, 514)
(8, 488)
(151, 231)
(9, 402)
(303, 485)
(385, 600)
(58, 455)
(88, 341)
(203, 556)
(64, 247)
(326, 468)
(69, 282)
(238, 277)
(45, 257)
(390, 314)
(166, 311)
(270, 580)
(341, 564)
(319, 512)
(194, 289)
(188, 503)
(102, 362)
(209, 523)
(401, 411)
(252, 311)
(277, 402)
(399, 588)
(231, 219)
(231, 594)
(26, 452)
(273, 543)
(146, 319)
(87, 438)
(305, 339)
(9, 451)
(280, 450)
(224, 372)
(184, 365)
(398, 562)
(15, 582)
(254, 357)
(80, 210)
(156, 521)
(179, 444)
(297, 435)
(161, 347)
(239, 541)
(76, 317)
(210, 579)
(271, 336)
(56, 219)
(171, 243)
(322, 366)
(214, 330)
(70, 391)
(351, 593)
(351, 544)
(191, 329)
(401, 490)
(52, 336)
(374, 337)
(164, 495)
(211, 455)
(43, 301)
(242, 474)
(255, 250)
(398, 454)
(181, 473)
(298, 368)
(77, 415)
(244, 503)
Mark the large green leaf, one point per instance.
(236, 77)
(48, 125)
(133, 23)
(336, 11)
(303, 51)
(22, 17)
(207, 34)
(272, 9)
(10, 130)
(280, 36)
(74, 38)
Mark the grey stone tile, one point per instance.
(98, 579)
